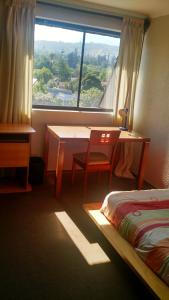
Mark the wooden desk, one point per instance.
(15, 153)
(64, 134)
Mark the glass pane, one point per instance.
(57, 59)
(100, 55)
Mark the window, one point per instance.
(73, 65)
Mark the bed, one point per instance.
(136, 223)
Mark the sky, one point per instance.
(47, 33)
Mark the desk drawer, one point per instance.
(14, 154)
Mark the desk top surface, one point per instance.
(16, 129)
(83, 132)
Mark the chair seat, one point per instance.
(94, 158)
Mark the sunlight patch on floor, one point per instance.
(92, 253)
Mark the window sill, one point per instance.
(72, 109)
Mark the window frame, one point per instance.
(84, 29)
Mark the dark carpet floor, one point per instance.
(38, 260)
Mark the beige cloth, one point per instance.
(125, 85)
(16, 60)
(124, 165)
(128, 67)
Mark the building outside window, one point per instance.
(73, 65)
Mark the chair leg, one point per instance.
(73, 171)
(110, 180)
(99, 177)
(85, 182)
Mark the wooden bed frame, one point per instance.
(126, 251)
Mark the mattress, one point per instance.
(142, 218)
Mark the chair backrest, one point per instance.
(103, 138)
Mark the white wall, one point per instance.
(151, 117)
(42, 117)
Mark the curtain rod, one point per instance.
(86, 10)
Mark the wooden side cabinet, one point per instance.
(15, 154)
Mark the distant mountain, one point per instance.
(91, 49)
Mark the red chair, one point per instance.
(91, 161)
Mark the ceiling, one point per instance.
(150, 8)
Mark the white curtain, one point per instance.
(16, 60)
(123, 85)
(128, 67)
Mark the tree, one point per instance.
(74, 84)
(39, 87)
(42, 60)
(103, 60)
(64, 72)
(90, 98)
(73, 59)
(91, 81)
(43, 75)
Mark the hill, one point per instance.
(91, 49)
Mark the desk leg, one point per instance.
(59, 169)
(46, 150)
(143, 157)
